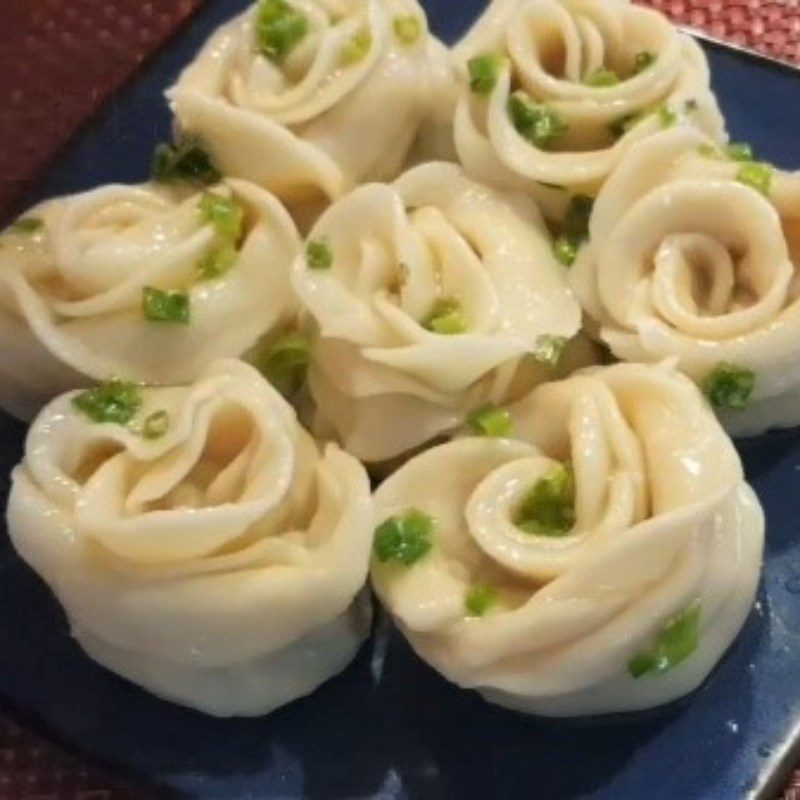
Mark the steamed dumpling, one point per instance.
(602, 560)
(200, 542)
(430, 297)
(695, 256)
(555, 92)
(310, 97)
(142, 282)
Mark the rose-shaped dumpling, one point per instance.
(555, 92)
(312, 97)
(694, 255)
(200, 543)
(430, 297)
(142, 282)
(602, 560)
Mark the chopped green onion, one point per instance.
(575, 230)
(26, 225)
(170, 306)
(756, 175)
(479, 600)
(620, 126)
(709, 151)
(356, 49)
(666, 116)
(218, 261)
(550, 349)
(675, 642)
(286, 363)
(114, 401)
(279, 29)
(491, 421)
(536, 123)
(404, 539)
(739, 151)
(227, 217)
(642, 60)
(730, 387)
(602, 78)
(549, 509)
(225, 214)
(186, 162)
(565, 250)
(483, 72)
(319, 254)
(408, 28)
(156, 425)
(447, 318)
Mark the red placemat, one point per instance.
(60, 61)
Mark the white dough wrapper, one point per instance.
(71, 291)
(221, 566)
(686, 261)
(550, 48)
(664, 525)
(318, 122)
(384, 381)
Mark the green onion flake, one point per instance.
(602, 79)
(170, 306)
(480, 598)
(483, 72)
(674, 643)
(286, 363)
(729, 387)
(186, 162)
(407, 28)
(491, 421)
(156, 425)
(575, 230)
(26, 225)
(225, 214)
(404, 539)
(279, 29)
(356, 48)
(536, 123)
(739, 151)
(642, 60)
(447, 318)
(319, 254)
(114, 401)
(550, 349)
(756, 175)
(549, 509)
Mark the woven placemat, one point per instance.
(60, 61)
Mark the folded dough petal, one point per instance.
(552, 51)
(381, 376)
(686, 261)
(317, 122)
(665, 528)
(221, 565)
(71, 305)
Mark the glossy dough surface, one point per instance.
(315, 124)
(664, 523)
(383, 381)
(551, 48)
(220, 566)
(71, 305)
(686, 261)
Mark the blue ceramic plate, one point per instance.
(390, 727)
